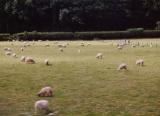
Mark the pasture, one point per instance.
(83, 85)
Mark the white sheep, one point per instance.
(7, 49)
(22, 49)
(99, 56)
(61, 49)
(46, 61)
(122, 66)
(45, 92)
(140, 62)
(41, 106)
(47, 45)
(29, 60)
(120, 47)
(14, 55)
(23, 58)
(8, 53)
(133, 46)
(82, 44)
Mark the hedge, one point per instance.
(130, 33)
(4, 37)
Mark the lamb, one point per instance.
(99, 56)
(122, 66)
(45, 92)
(29, 60)
(41, 106)
(140, 62)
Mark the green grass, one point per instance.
(83, 85)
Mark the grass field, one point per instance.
(83, 85)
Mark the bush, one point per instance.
(135, 30)
(130, 33)
(4, 37)
(45, 36)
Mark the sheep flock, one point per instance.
(121, 57)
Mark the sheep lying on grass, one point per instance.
(140, 62)
(45, 92)
(99, 56)
(122, 66)
(41, 106)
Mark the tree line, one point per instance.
(77, 15)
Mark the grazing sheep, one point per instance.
(45, 92)
(14, 55)
(23, 58)
(7, 49)
(8, 53)
(151, 45)
(22, 49)
(99, 56)
(61, 49)
(133, 46)
(46, 61)
(62, 45)
(47, 45)
(120, 47)
(82, 44)
(41, 106)
(140, 62)
(122, 66)
(29, 60)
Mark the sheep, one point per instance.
(41, 106)
(133, 46)
(62, 45)
(140, 62)
(120, 47)
(46, 61)
(7, 49)
(29, 60)
(82, 44)
(8, 53)
(22, 49)
(61, 49)
(14, 55)
(122, 66)
(47, 45)
(45, 92)
(151, 45)
(23, 58)
(99, 56)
